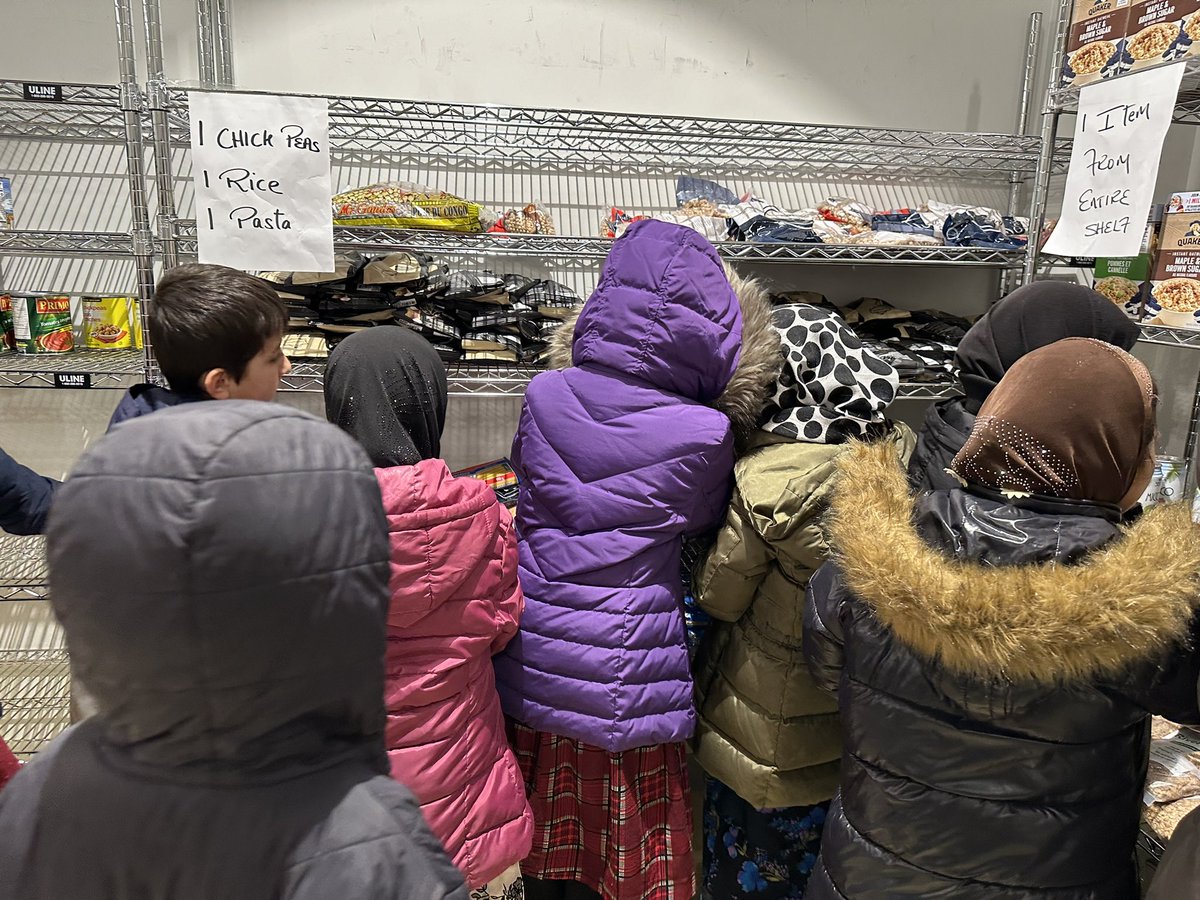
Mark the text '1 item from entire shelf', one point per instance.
(1119, 134)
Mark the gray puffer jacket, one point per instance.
(221, 573)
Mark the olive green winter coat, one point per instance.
(765, 729)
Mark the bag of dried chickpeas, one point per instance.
(400, 204)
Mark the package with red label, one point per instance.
(500, 476)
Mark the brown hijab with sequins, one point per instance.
(1073, 420)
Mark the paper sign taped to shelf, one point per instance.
(1119, 134)
(260, 165)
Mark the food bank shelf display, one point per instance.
(261, 171)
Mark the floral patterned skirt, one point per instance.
(768, 853)
(505, 886)
(619, 823)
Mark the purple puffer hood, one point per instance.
(620, 457)
(663, 313)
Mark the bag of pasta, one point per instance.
(403, 205)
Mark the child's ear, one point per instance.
(217, 384)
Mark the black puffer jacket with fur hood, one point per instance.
(996, 666)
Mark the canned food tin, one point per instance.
(110, 323)
(42, 323)
(8, 340)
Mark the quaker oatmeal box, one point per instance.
(1125, 280)
(1161, 31)
(1096, 41)
(1174, 297)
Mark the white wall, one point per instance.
(928, 64)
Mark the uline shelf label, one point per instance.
(261, 169)
(72, 379)
(40, 92)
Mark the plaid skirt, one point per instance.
(620, 823)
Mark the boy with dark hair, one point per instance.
(216, 334)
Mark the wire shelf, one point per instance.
(566, 247)
(928, 390)
(35, 690)
(474, 380)
(107, 368)
(23, 572)
(1187, 105)
(88, 113)
(551, 138)
(1170, 337)
(65, 243)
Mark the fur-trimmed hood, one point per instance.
(1044, 622)
(758, 364)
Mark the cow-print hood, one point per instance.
(831, 389)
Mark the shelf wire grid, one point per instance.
(1187, 104)
(108, 368)
(73, 243)
(23, 572)
(35, 690)
(499, 381)
(565, 247)
(88, 113)
(565, 139)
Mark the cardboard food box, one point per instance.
(1161, 31)
(1125, 280)
(1174, 296)
(1096, 41)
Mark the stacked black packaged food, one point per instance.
(475, 317)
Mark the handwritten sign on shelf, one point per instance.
(260, 165)
(1119, 134)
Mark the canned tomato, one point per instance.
(42, 323)
(7, 340)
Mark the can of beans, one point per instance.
(8, 340)
(42, 323)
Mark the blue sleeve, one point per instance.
(25, 497)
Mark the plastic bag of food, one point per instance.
(1172, 774)
(530, 219)
(893, 239)
(618, 220)
(688, 188)
(7, 217)
(846, 210)
(400, 204)
(712, 227)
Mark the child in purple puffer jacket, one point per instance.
(621, 456)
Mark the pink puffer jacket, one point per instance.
(455, 602)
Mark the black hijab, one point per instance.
(386, 387)
(1034, 316)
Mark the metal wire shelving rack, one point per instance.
(35, 684)
(1060, 102)
(150, 120)
(569, 142)
(86, 114)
